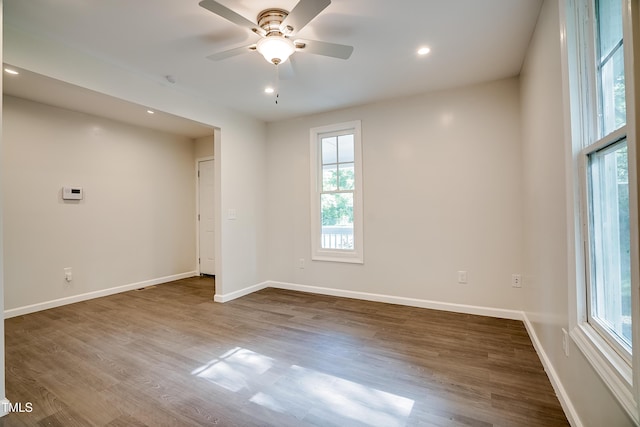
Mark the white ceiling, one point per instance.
(471, 41)
(49, 91)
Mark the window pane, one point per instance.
(329, 178)
(346, 173)
(609, 25)
(610, 241)
(611, 102)
(613, 107)
(329, 150)
(345, 148)
(337, 221)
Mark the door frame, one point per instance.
(197, 178)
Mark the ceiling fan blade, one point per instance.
(302, 14)
(230, 15)
(232, 52)
(323, 48)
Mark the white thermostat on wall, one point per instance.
(72, 193)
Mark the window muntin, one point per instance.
(609, 291)
(336, 215)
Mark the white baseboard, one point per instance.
(412, 302)
(563, 397)
(95, 294)
(4, 406)
(242, 292)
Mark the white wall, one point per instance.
(135, 224)
(546, 284)
(442, 193)
(240, 150)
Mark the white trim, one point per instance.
(217, 200)
(411, 302)
(240, 293)
(569, 410)
(609, 365)
(366, 296)
(19, 311)
(198, 160)
(4, 406)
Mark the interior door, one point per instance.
(206, 226)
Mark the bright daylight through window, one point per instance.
(606, 316)
(609, 239)
(336, 202)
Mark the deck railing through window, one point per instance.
(337, 237)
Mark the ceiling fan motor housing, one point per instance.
(270, 20)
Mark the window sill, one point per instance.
(337, 257)
(610, 366)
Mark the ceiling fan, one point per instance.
(277, 27)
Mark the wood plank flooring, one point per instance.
(169, 356)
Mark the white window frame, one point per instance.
(336, 255)
(620, 373)
(610, 140)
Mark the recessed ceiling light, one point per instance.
(151, 112)
(10, 71)
(423, 51)
(269, 90)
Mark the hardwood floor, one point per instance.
(169, 356)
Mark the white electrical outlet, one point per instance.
(301, 263)
(462, 276)
(565, 342)
(68, 274)
(516, 280)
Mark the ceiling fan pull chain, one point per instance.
(277, 83)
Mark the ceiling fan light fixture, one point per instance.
(276, 49)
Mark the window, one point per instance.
(609, 269)
(609, 301)
(605, 317)
(336, 193)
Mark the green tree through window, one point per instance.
(338, 209)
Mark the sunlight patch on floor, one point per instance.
(334, 399)
(235, 369)
(306, 393)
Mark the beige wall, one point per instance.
(204, 146)
(442, 193)
(547, 280)
(240, 146)
(136, 222)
